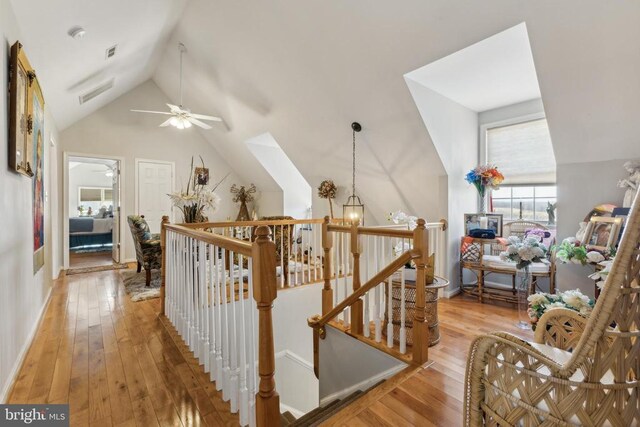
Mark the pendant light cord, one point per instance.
(353, 191)
(182, 49)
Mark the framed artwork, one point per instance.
(602, 233)
(202, 176)
(22, 78)
(474, 221)
(36, 154)
(494, 222)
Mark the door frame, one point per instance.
(65, 207)
(137, 189)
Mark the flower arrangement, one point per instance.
(327, 190)
(524, 252)
(601, 275)
(574, 300)
(399, 217)
(196, 200)
(571, 251)
(483, 177)
(538, 233)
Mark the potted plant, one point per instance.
(327, 190)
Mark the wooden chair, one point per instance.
(577, 371)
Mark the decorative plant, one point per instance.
(327, 190)
(524, 252)
(81, 209)
(574, 300)
(483, 177)
(539, 233)
(571, 251)
(399, 217)
(601, 275)
(197, 199)
(243, 195)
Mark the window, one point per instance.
(523, 152)
(94, 198)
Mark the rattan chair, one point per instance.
(577, 371)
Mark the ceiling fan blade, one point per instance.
(166, 123)
(152, 112)
(175, 108)
(203, 117)
(198, 123)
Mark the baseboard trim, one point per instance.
(452, 293)
(363, 385)
(8, 386)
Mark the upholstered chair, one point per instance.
(148, 249)
(577, 371)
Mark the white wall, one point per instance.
(22, 294)
(582, 186)
(115, 131)
(86, 175)
(454, 132)
(520, 109)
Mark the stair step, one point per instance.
(307, 418)
(287, 419)
(335, 409)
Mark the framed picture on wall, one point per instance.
(21, 81)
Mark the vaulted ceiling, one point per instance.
(303, 71)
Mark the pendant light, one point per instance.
(353, 209)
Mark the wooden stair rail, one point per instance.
(163, 271)
(318, 322)
(327, 244)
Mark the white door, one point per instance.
(154, 182)
(115, 231)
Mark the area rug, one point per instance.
(134, 284)
(83, 270)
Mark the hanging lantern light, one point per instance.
(353, 209)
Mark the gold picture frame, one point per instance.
(22, 79)
(602, 233)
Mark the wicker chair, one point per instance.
(577, 371)
(148, 250)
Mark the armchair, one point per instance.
(148, 249)
(577, 371)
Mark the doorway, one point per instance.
(92, 220)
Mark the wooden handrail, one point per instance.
(163, 254)
(223, 224)
(394, 266)
(235, 245)
(372, 231)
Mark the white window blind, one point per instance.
(522, 152)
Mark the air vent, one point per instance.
(95, 92)
(111, 51)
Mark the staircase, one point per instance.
(320, 414)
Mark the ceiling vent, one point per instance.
(111, 51)
(95, 92)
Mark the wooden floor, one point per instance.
(116, 363)
(90, 259)
(433, 396)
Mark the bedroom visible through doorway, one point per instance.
(92, 223)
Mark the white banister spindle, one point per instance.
(204, 307)
(233, 335)
(389, 297)
(226, 377)
(211, 356)
(315, 228)
(282, 256)
(219, 286)
(252, 351)
(345, 262)
(242, 348)
(336, 268)
(378, 310)
(403, 331)
(367, 318)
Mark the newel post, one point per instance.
(327, 244)
(163, 246)
(420, 327)
(264, 292)
(357, 311)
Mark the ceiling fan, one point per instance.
(182, 117)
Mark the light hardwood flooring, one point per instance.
(116, 363)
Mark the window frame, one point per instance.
(102, 191)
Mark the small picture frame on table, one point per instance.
(474, 221)
(602, 233)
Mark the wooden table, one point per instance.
(430, 309)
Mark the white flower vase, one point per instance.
(524, 280)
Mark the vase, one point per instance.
(523, 286)
(482, 191)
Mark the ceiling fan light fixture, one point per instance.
(173, 121)
(187, 123)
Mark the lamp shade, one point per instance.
(353, 211)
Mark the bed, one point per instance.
(89, 231)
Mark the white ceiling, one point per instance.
(68, 68)
(492, 73)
